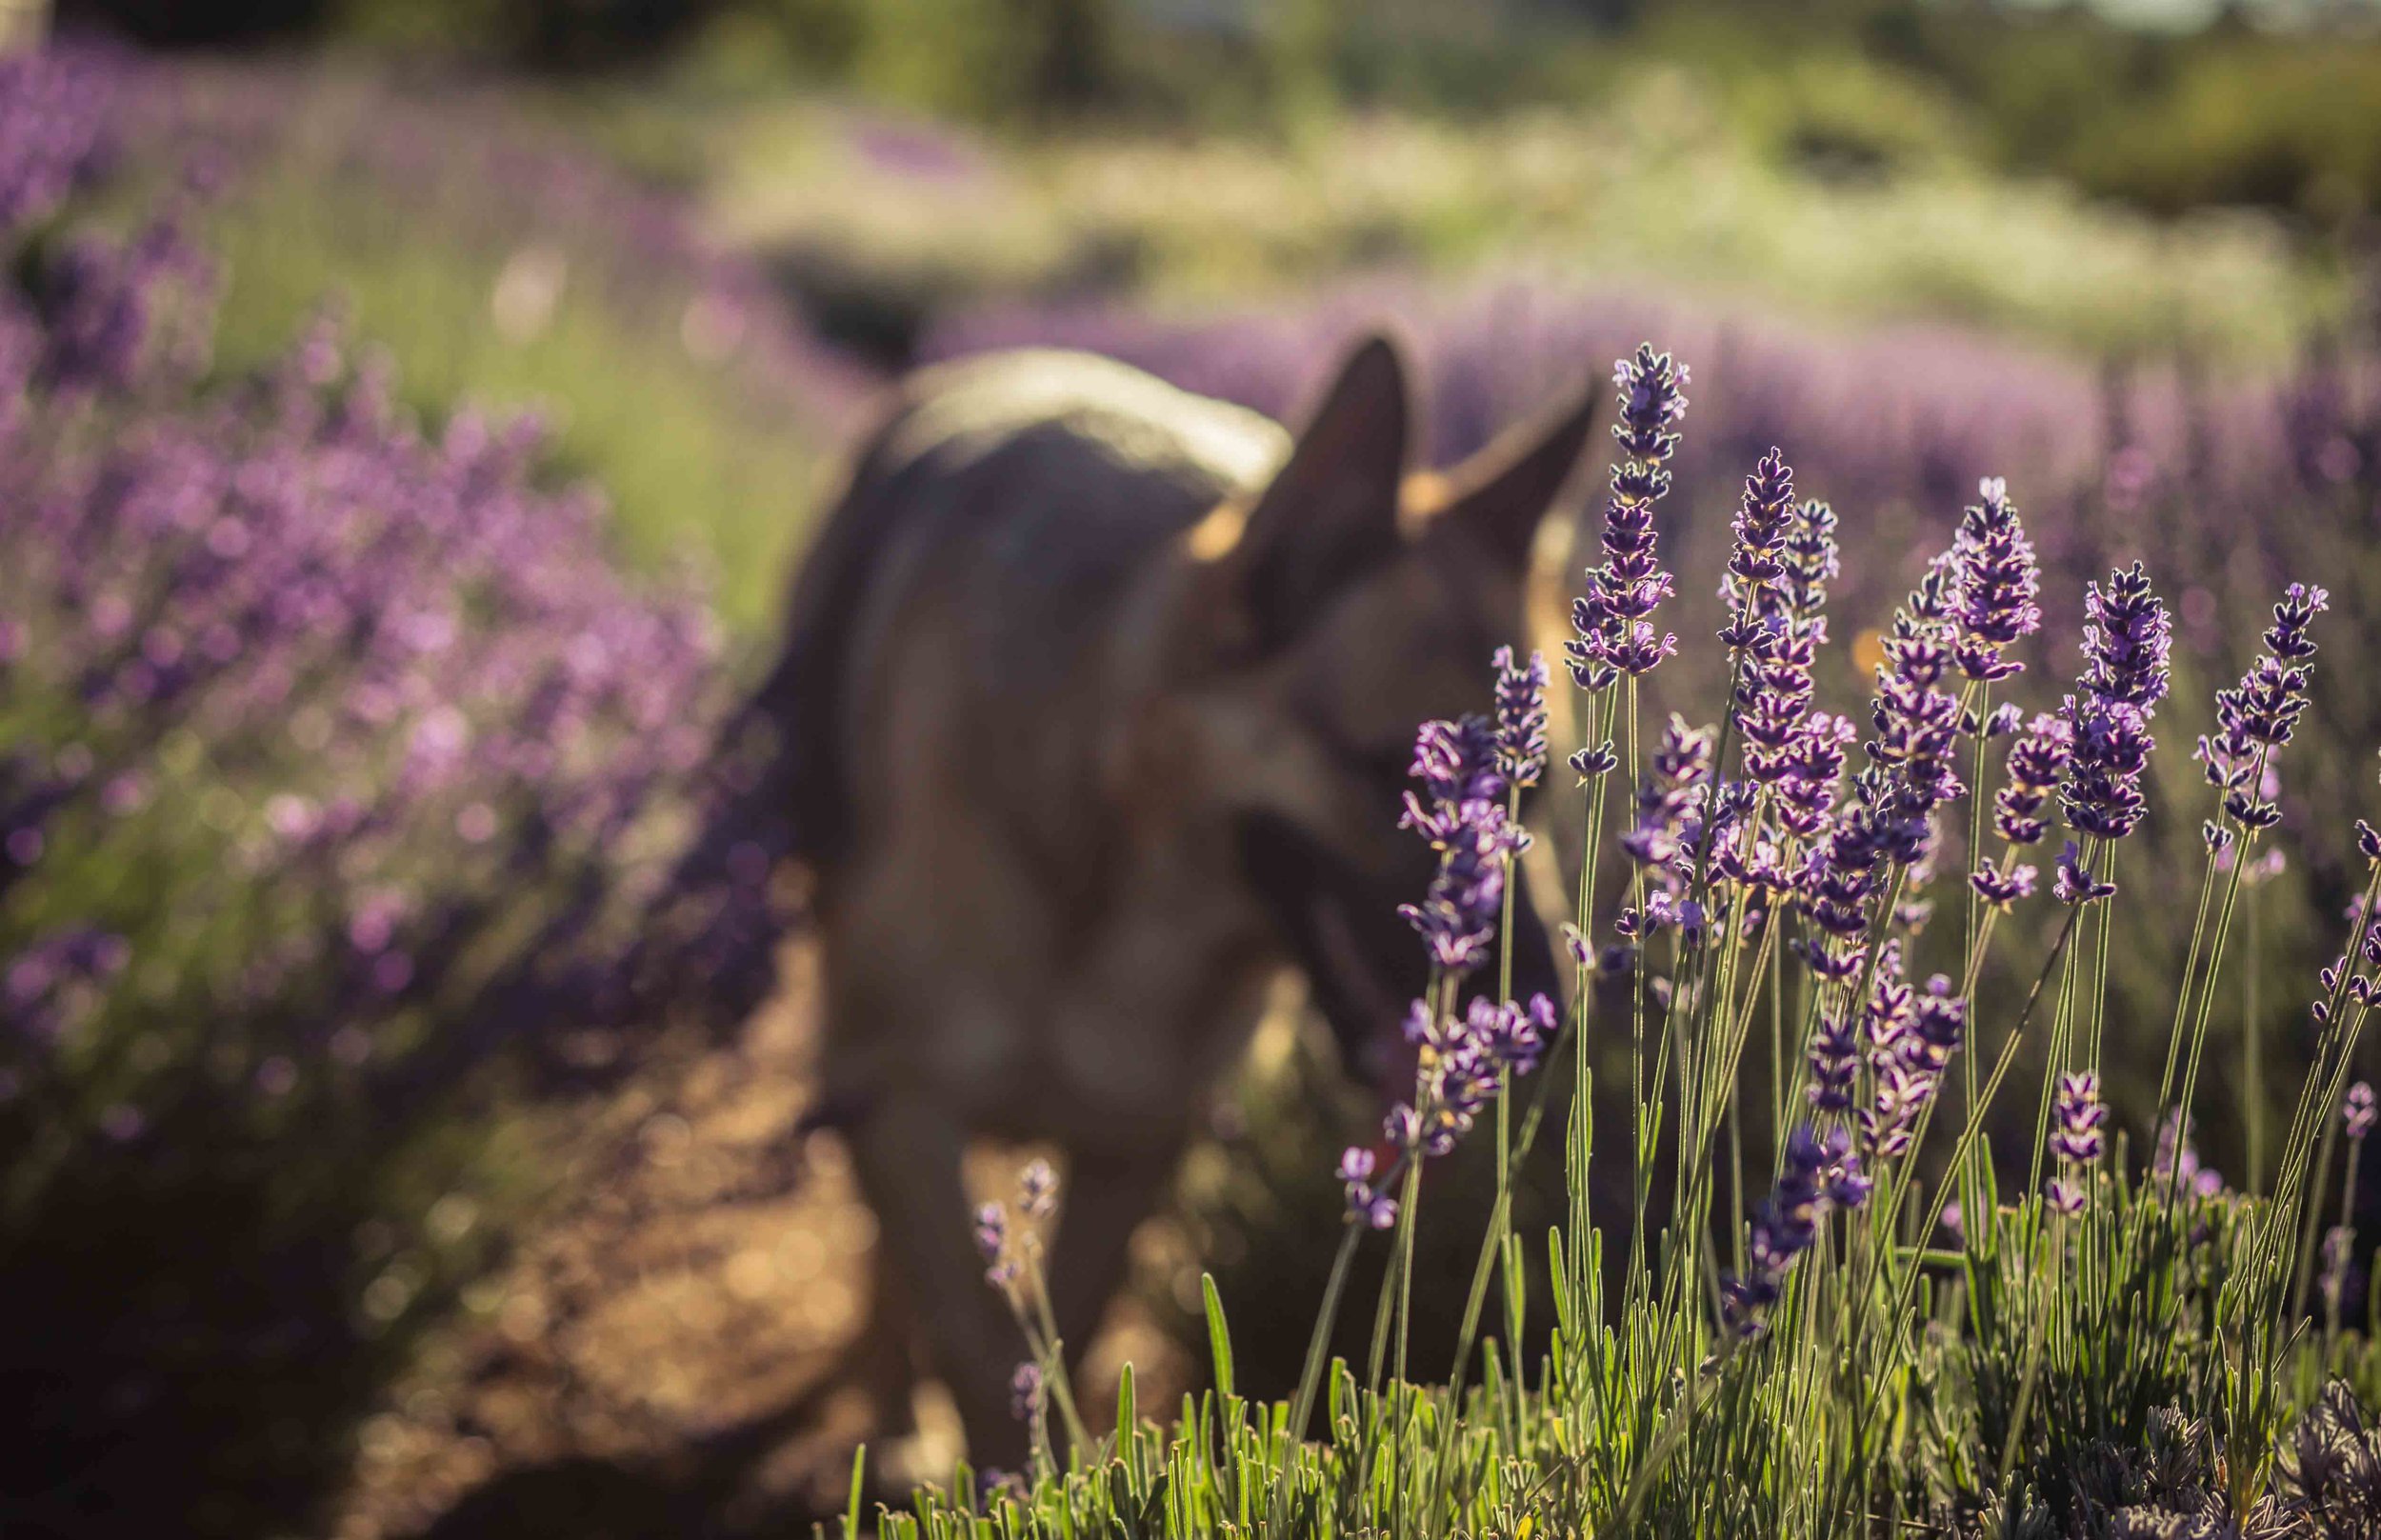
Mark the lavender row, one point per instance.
(344, 777)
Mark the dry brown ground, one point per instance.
(639, 1366)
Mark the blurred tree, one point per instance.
(1070, 47)
(180, 23)
(1019, 60)
(541, 32)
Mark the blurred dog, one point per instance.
(1099, 697)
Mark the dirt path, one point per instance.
(630, 1372)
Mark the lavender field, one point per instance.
(408, 994)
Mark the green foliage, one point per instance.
(989, 60)
(2291, 127)
(707, 456)
(694, 469)
(2231, 114)
(1857, 216)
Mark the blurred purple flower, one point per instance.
(2358, 1111)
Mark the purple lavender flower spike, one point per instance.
(1599, 759)
(1811, 564)
(1888, 1124)
(1514, 1034)
(2255, 718)
(1366, 1203)
(1772, 695)
(2001, 888)
(2287, 638)
(2125, 676)
(1461, 812)
(1815, 1174)
(1612, 617)
(2339, 1258)
(2103, 794)
(2077, 1117)
(2037, 762)
(1466, 1059)
(1457, 918)
(1757, 563)
(2176, 1159)
(991, 1231)
(1938, 1020)
(1520, 717)
(2073, 884)
(1912, 1036)
(1891, 1003)
(2127, 637)
(1834, 1057)
(1838, 886)
(1804, 795)
(1997, 582)
(1675, 780)
(1848, 1186)
(1038, 1189)
(1025, 1393)
(1917, 722)
(2358, 1111)
(1456, 764)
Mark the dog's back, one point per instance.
(1031, 483)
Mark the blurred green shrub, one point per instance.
(2253, 122)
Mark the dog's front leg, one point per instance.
(907, 1152)
(1107, 1195)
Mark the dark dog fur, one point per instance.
(1098, 698)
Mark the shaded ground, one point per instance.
(645, 1367)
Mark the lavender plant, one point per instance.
(2112, 1349)
(340, 775)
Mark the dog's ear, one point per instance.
(1331, 512)
(1501, 494)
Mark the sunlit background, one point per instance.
(410, 409)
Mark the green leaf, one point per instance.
(1126, 1415)
(1516, 1281)
(851, 1510)
(1218, 1334)
(1565, 1310)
